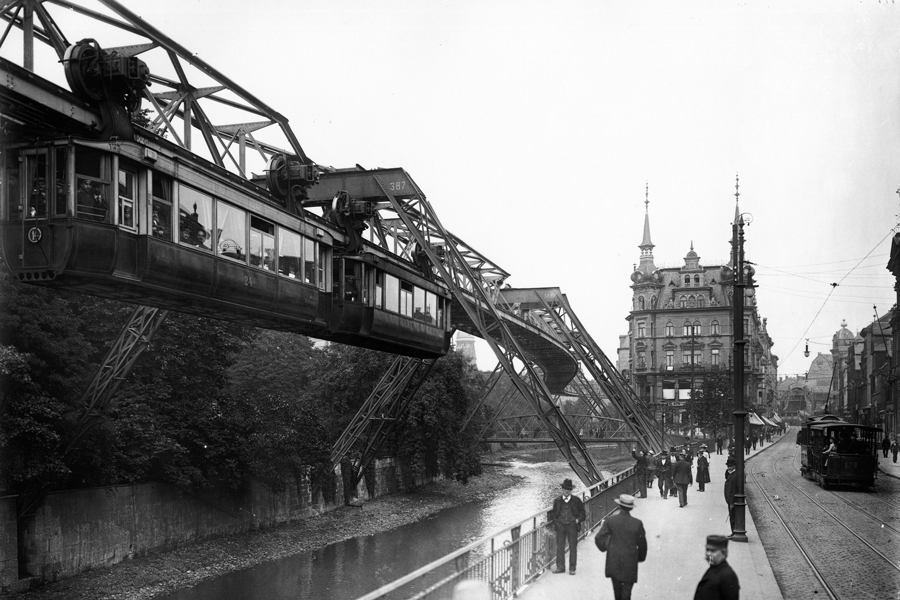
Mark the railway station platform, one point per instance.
(676, 541)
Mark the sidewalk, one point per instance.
(888, 466)
(676, 541)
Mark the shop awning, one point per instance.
(755, 420)
(769, 422)
(776, 418)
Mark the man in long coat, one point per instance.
(640, 469)
(623, 539)
(729, 489)
(681, 475)
(567, 515)
(720, 581)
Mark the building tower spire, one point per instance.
(646, 266)
(737, 197)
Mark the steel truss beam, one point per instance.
(377, 418)
(551, 305)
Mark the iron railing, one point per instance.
(510, 559)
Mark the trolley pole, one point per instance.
(740, 503)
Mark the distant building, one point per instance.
(465, 343)
(680, 331)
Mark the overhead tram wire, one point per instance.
(830, 292)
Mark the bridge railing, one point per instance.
(510, 559)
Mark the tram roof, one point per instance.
(841, 424)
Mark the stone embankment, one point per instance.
(154, 576)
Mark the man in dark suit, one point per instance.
(730, 485)
(664, 472)
(567, 515)
(623, 539)
(720, 581)
(681, 475)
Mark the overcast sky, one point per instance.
(533, 128)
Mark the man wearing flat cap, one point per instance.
(720, 581)
(623, 539)
(567, 515)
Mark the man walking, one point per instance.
(720, 441)
(567, 515)
(623, 539)
(885, 445)
(683, 478)
(894, 449)
(664, 473)
(702, 469)
(640, 469)
(720, 581)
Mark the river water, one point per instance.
(354, 567)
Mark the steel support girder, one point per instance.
(475, 292)
(379, 414)
(131, 342)
(638, 417)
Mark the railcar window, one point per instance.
(290, 251)
(351, 281)
(194, 218)
(231, 232)
(430, 306)
(127, 197)
(35, 166)
(92, 174)
(418, 304)
(379, 289)
(11, 185)
(391, 293)
(61, 169)
(310, 260)
(406, 299)
(440, 311)
(320, 261)
(161, 225)
(262, 243)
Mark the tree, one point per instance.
(711, 401)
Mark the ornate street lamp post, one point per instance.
(740, 504)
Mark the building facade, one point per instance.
(680, 331)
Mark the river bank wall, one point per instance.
(79, 530)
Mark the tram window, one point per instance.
(194, 218)
(161, 226)
(310, 256)
(231, 232)
(290, 247)
(391, 293)
(127, 197)
(320, 261)
(262, 243)
(440, 311)
(418, 304)
(406, 299)
(430, 304)
(379, 289)
(90, 163)
(61, 167)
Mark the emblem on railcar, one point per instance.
(34, 235)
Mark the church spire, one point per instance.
(737, 197)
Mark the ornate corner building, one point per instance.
(680, 332)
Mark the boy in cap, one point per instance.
(720, 581)
(566, 515)
(623, 539)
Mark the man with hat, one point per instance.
(567, 515)
(702, 468)
(730, 487)
(623, 539)
(664, 473)
(720, 581)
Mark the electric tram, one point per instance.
(835, 452)
(133, 217)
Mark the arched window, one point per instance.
(641, 303)
(697, 328)
(683, 302)
(670, 329)
(653, 302)
(714, 328)
(686, 328)
(696, 280)
(701, 301)
(687, 280)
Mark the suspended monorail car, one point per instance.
(835, 452)
(148, 222)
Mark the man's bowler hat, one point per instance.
(567, 484)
